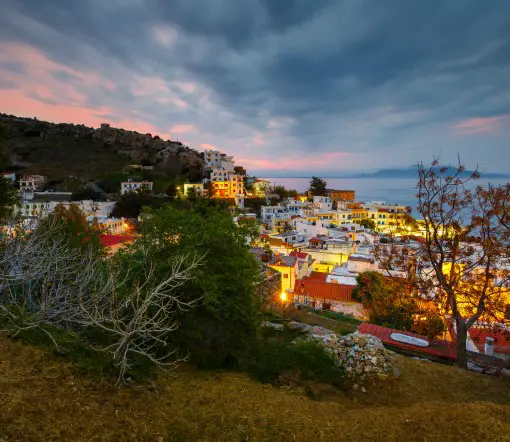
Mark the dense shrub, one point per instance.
(281, 362)
(221, 331)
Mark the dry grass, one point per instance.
(42, 398)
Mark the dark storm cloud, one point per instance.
(273, 80)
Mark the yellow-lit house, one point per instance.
(261, 188)
(289, 268)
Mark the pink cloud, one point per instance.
(40, 93)
(182, 129)
(208, 147)
(186, 86)
(297, 162)
(482, 124)
(16, 102)
(179, 102)
(42, 68)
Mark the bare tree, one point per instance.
(141, 320)
(462, 263)
(43, 278)
(48, 283)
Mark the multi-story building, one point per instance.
(37, 207)
(212, 159)
(135, 186)
(322, 203)
(226, 185)
(341, 195)
(31, 183)
(261, 188)
(385, 215)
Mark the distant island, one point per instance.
(410, 172)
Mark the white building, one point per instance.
(31, 183)
(227, 163)
(112, 226)
(323, 203)
(212, 159)
(34, 207)
(226, 184)
(384, 215)
(135, 186)
(198, 188)
(269, 213)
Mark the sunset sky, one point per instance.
(300, 87)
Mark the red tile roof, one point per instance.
(438, 348)
(501, 339)
(324, 290)
(300, 255)
(112, 240)
(317, 277)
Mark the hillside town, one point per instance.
(318, 243)
(254, 221)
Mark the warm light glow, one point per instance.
(283, 297)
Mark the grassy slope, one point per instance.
(43, 399)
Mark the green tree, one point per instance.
(75, 226)
(171, 190)
(5, 158)
(222, 330)
(85, 194)
(387, 302)
(317, 186)
(283, 192)
(8, 199)
(130, 204)
(368, 223)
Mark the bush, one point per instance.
(222, 331)
(281, 363)
(432, 325)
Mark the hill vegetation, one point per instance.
(58, 150)
(43, 398)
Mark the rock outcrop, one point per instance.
(362, 356)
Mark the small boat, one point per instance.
(411, 340)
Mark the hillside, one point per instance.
(42, 398)
(60, 150)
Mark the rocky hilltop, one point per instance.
(56, 148)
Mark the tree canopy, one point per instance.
(317, 186)
(391, 303)
(5, 158)
(462, 264)
(368, 223)
(222, 329)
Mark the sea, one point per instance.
(390, 190)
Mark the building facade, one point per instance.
(135, 186)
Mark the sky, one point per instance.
(296, 87)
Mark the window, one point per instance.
(286, 275)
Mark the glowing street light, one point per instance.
(283, 297)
